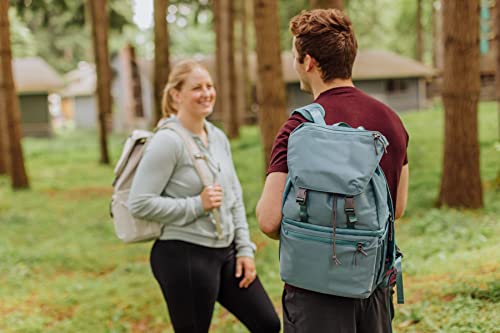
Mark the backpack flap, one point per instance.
(137, 136)
(323, 159)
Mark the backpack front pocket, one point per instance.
(306, 262)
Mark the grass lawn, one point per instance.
(63, 270)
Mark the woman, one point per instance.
(194, 264)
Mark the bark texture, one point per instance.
(99, 18)
(3, 139)
(232, 119)
(270, 84)
(246, 86)
(497, 74)
(228, 83)
(162, 54)
(9, 106)
(461, 181)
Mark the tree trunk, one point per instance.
(223, 49)
(461, 180)
(219, 65)
(246, 85)
(232, 117)
(270, 83)
(99, 19)
(9, 104)
(132, 109)
(162, 54)
(136, 83)
(239, 49)
(339, 4)
(419, 50)
(497, 74)
(4, 162)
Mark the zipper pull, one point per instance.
(359, 248)
(376, 137)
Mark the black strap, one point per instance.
(349, 206)
(301, 199)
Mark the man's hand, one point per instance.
(245, 266)
(402, 194)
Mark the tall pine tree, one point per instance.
(461, 180)
(9, 105)
(99, 19)
(271, 95)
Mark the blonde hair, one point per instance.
(176, 80)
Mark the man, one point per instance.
(324, 49)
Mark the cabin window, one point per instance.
(396, 86)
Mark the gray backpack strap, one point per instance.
(312, 112)
(200, 164)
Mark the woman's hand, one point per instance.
(211, 197)
(245, 266)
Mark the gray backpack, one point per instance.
(337, 232)
(128, 228)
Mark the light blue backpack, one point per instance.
(337, 232)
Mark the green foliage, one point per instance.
(378, 24)
(287, 10)
(193, 39)
(22, 40)
(60, 32)
(63, 270)
(57, 31)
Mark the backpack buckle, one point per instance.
(301, 196)
(349, 212)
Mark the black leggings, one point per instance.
(193, 277)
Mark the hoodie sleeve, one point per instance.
(153, 173)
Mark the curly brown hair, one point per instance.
(328, 37)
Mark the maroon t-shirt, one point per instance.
(354, 107)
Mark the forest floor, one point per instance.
(63, 270)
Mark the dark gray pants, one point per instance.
(309, 312)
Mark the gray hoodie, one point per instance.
(166, 189)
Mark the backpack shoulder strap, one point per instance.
(199, 163)
(313, 112)
(194, 152)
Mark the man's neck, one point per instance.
(319, 86)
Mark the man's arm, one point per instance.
(402, 191)
(269, 205)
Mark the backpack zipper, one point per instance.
(359, 249)
(357, 232)
(322, 239)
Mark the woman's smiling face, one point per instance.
(197, 94)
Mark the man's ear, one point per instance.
(309, 62)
